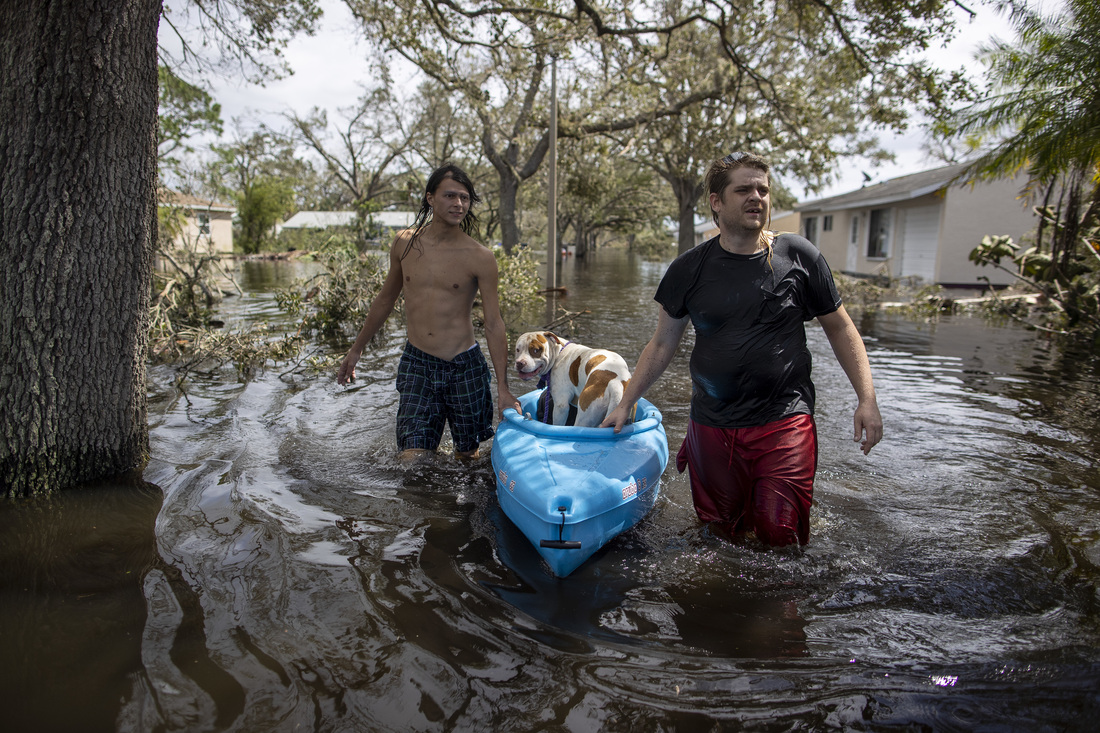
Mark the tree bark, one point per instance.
(687, 193)
(78, 106)
(506, 210)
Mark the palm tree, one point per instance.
(1044, 91)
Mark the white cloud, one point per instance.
(330, 71)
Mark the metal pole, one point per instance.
(552, 185)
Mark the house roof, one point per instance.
(325, 219)
(168, 197)
(396, 219)
(320, 219)
(892, 191)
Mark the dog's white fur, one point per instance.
(591, 379)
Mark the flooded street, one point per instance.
(278, 570)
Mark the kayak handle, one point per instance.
(559, 543)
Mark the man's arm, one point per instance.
(852, 355)
(380, 309)
(652, 363)
(488, 279)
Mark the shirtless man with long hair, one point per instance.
(442, 376)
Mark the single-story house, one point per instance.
(317, 220)
(388, 220)
(922, 225)
(207, 224)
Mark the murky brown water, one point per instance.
(275, 569)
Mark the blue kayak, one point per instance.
(571, 490)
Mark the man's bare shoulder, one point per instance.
(482, 255)
(403, 237)
(462, 239)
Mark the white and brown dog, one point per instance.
(591, 379)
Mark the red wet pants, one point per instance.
(757, 479)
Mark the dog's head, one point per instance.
(536, 352)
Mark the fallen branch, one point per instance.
(565, 317)
(1015, 317)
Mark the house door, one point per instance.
(922, 239)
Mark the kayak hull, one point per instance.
(572, 490)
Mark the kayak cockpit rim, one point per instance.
(650, 419)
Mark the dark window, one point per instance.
(878, 234)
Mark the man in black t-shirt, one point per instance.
(751, 444)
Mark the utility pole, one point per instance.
(552, 185)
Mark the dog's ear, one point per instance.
(551, 335)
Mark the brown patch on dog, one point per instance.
(594, 362)
(590, 365)
(536, 345)
(595, 386)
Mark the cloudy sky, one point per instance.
(329, 72)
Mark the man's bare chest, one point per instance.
(440, 273)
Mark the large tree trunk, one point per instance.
(78, 106)
(580, 241)
(687, 193)
(509, 224)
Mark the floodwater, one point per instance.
(275, 569)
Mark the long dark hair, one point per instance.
(423, 217)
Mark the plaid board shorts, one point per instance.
(435, 391)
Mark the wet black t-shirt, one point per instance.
(750, 365)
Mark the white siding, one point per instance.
(922, 239)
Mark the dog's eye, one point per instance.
(536, 351)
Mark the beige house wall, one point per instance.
(970, 213)
(833, 242)
(786, 221)
(206, 225)
(219, 240)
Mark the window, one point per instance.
(878, 235)
(809, 228)
(827, 223)
(854, 238)
(204, 223)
